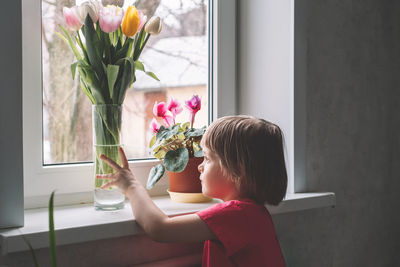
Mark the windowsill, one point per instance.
(82, 223)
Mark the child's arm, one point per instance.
(160, 227)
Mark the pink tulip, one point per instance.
(110, 18)
(155, 126)
(71, 18)
(160, 110)
(142, 19)
(194, 105)
(175, 107)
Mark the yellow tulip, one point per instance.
(131, 21)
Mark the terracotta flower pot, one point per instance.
(187, 181)
(185, 186)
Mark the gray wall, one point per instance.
(11, 176)
(353, 137)
(353, 141)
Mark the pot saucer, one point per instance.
(188, 197)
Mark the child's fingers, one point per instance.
(108, 185)
(110, 162)
(124, 160)
(105, 176)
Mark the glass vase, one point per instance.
(107, 120)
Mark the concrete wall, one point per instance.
(11, 177)
(352, 132)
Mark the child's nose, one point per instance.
(200, 168)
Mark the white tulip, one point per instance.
(153, 26)
(92, 8)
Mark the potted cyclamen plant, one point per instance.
(177, 145)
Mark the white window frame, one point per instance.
(74, 182)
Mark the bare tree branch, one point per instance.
(46, 41)
(191, 62)
(150, 6)
(53, 3)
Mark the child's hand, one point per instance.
(123, 177)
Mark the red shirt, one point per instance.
(245, 233)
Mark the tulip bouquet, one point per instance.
(108, 54)
(174, 143)
(107, 42)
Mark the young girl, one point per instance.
(244, 166)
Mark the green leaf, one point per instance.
(193, 132)
(176, 160)
(155, 175)
(35, 260)
(160, 154)
(52, 234)
(124, 83)
(73, 69)
(112, 75)
(91, 81)
(92, 47)
(121, 53)
(69, 41)
(199, 154)
(165, 133)
(139, 65)
(138, 43)
(185, 126)
(152, 75)
(86, 90)
(152, 141)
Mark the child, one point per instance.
(244, 166)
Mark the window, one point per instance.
(178, 56)
(43, 171)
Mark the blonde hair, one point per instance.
(251, 152)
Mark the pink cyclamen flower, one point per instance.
(110, 18)
(194, 105)
(175, 107)
(142, 19)
(155, 126)
(71, 18)
(160, 110)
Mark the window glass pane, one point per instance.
(178, 56)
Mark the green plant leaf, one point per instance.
(160, 154)
(52, 234)
(35, 260)
(69, 41)
(155, 175)
(73, 69)
(185, 126)
(124, 83)
(176, 160)
(112, 75)
(198, 154)
(123, 51)
(193, 132)
(93, 45)
(139, 65)
(152, 75)
(86, 90)
(165, 133)
(138, 45)
(152, 141)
